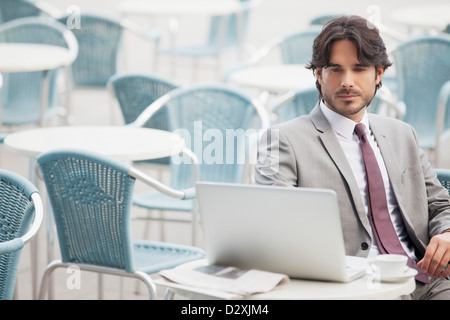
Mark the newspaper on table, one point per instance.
(199, 274)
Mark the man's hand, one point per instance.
(437, 256)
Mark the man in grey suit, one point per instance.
(321, 150)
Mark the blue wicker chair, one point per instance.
(100, 48)
(22, 91)
(91, 197)
(15, 9)
(423, 78)
(208, 112)
(100, 45)
(134, 93)
(21, 215)
(293, 104)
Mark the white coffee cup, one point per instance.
(390, 264)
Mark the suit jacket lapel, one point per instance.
(336, 153)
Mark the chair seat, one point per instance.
(12, 118)
(152, 256)
(159, 201)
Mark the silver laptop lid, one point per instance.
(294, 231)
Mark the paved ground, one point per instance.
(272, 18)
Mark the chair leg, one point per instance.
(146, 235)
(101, 295)
(148, 282)
(46, 277)
(169, 295)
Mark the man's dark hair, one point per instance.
(370, 47)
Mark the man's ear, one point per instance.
(379, 74)
(319, 75)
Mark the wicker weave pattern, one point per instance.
(16, 212)
(297, 47)
(211, 110)
(423, 66)
(15, 9)
(91, 203)
(135, 92)
(99, 41)
(173, 255)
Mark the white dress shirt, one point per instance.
(344, 129)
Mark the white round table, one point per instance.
(364, 288)
(275, 79)
(120, 142)
(28, 57)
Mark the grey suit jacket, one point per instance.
(304, 152)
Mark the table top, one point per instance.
(179, 7)
(274, 78)
(364, 288)
(120, 142)
(28, 57)
(430, 15)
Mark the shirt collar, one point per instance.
(342, 125)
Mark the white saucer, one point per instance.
(409, 272)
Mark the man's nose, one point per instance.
(347, 81)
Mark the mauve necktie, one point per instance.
(383, 229)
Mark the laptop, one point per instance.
(293, 231)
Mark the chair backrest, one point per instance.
(296, 48)
(99, 40)
(422, 67)
(385, 103)
(20, 218)
(21, 92)
(233, 26)
(91, 198)
(15, 9)
(218, 123)
(294, 104)
(135, 92)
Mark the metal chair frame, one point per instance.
(134, 175)
(17, 186)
